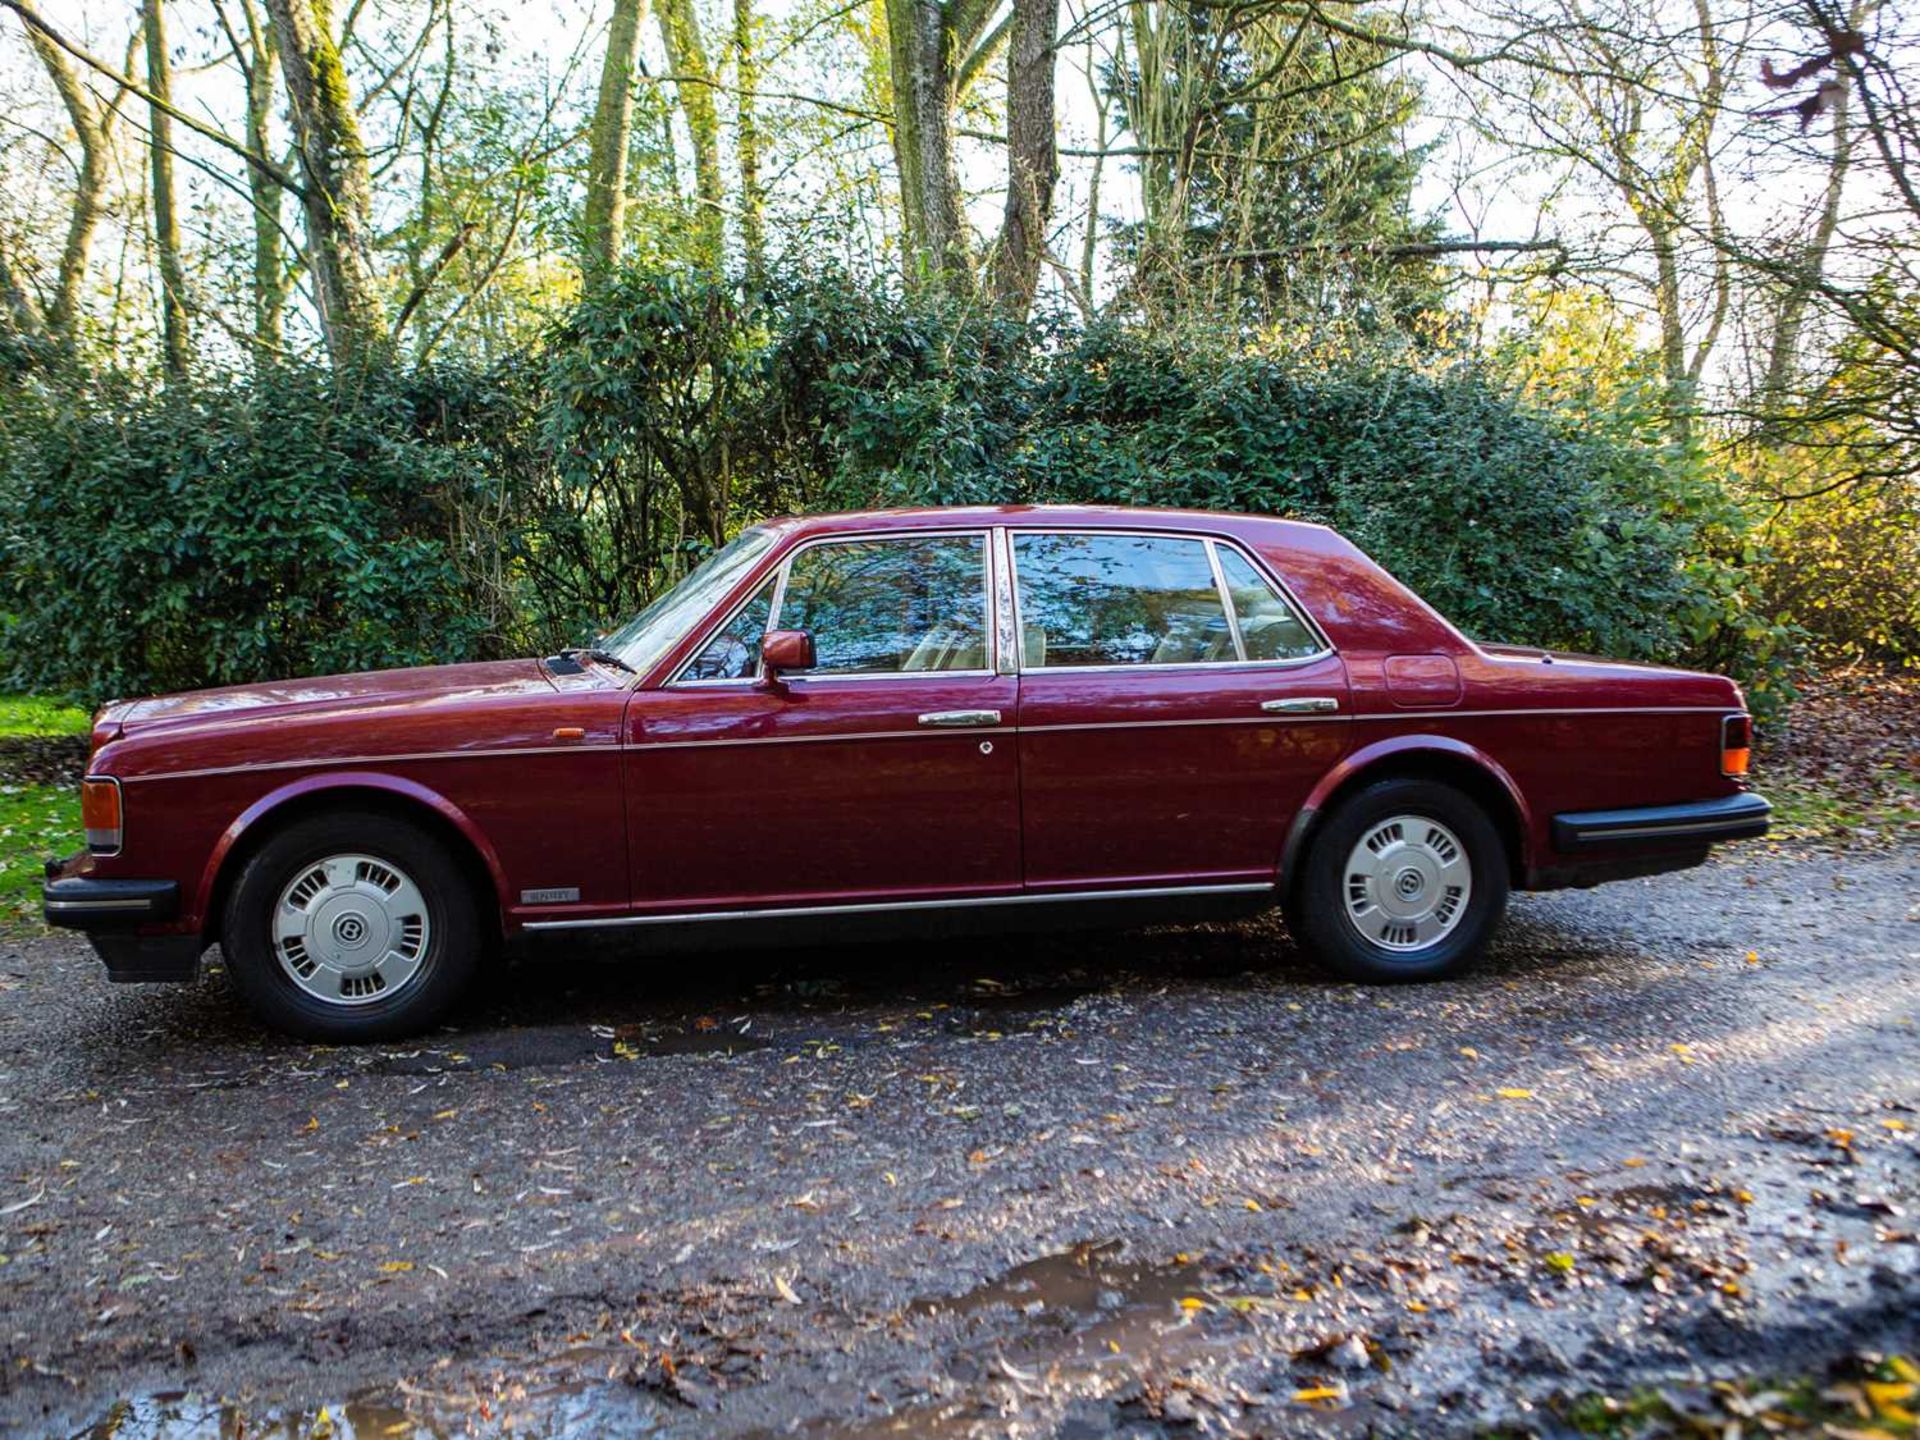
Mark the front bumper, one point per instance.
(112, 912)
(81, 902)
(1697, 824)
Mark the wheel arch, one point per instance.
(1425, 757)
(310, 795)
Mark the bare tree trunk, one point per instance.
(1033, 165)
(1162, 110)
(1789, 321)
(923, 89)
(1090, 242)
(166, 216)
(1668, 304)
(18, 310)
(63, 315)
(338, 191)
(753, 239)
(605, 221)
(687, 54)
(269, 262)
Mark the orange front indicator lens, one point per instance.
(100, 814)
(1736, 744)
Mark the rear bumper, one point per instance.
(1696, 824)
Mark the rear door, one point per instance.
(1175, 709)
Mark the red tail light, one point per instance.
(100, 814)
(1736, 744)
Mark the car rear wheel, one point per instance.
(352, 926)
(1406, 880)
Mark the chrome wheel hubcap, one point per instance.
(1407, 883)
(351, 929)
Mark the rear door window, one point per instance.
(1270, 628)
(1119, 599)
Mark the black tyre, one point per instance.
(1405, 880)
(352, 926)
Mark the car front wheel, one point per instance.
(1406, 880)
(351, 926)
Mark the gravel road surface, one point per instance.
(1170, 1182)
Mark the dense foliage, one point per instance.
(226, 532)
(246, 527)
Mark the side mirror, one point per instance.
(783, 650)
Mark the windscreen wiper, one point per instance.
(605, 657)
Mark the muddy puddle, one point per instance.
(1088, 1280)
(1083, 1323)
(583, 1393)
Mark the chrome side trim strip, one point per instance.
(927, 733)
(790, 912)
(1542, 710)
(1184, 724)
(347, 762)
(1400, 715)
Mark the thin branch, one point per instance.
(260, 162)
(1404, 250)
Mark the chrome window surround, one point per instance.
(989, 583)
(1006, 636)
(1212, 542)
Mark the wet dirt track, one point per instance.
(1148, 1183)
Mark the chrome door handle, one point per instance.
(954, 719)
(1300, 705)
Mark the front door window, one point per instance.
(884, 607)
(734, 651)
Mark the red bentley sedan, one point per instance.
(859, 722)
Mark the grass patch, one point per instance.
(1862, 1397)
(1845, 764)
(37, 715)
(1808, 810)
(35, 821)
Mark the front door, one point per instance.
(887, 773)
(1175, 710)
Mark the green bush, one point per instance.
(226, 532)
(273, 525)
(1579, 530)
(1844, 566)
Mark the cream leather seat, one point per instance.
(1034, 641)
(947, 647)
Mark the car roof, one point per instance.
(1269, 529)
